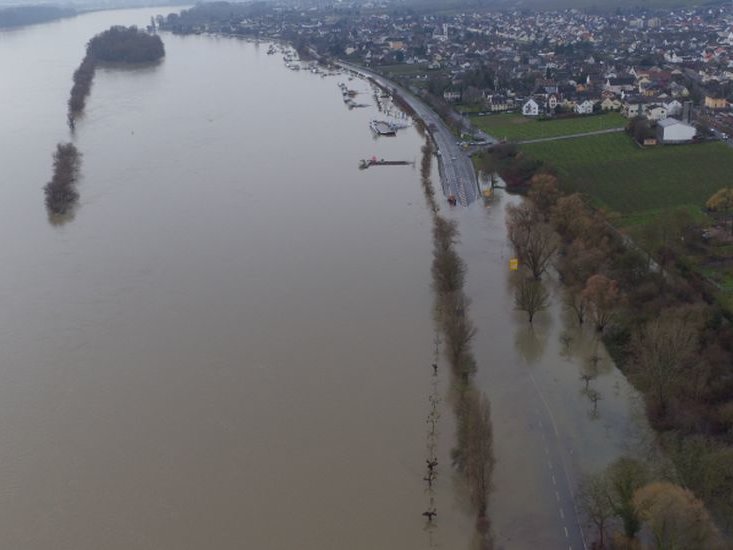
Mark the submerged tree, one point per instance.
(531, 297)
(534, 240)
(625, 476)
(479, 460)
(593, 500)
(602, 296)
(61, 194)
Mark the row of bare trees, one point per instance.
(473, 453)
(82, 84)
(123, 44)
(672, 344)
(61, 193)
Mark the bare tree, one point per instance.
(531, 297)
(535, 241)
(593, 500)
(594, 396)
(625, 476)
(544, 192)
(519, 221)
(540, 246)
(602, 296)
(660, 354)
(479, 456)
(576, 303)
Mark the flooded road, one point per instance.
(230, 344)
(547, 433)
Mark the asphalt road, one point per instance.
(457, 175)
(570, 532)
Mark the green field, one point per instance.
(636, 182)
(513, 127)
(642, 185)
(402, 69)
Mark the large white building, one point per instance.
(531, 108)
(671, 130)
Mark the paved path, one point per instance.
(458, 177)
(568, 518)
(572, 136)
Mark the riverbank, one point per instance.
(458, 177)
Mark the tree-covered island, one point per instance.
(118, 44)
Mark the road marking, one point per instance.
(547, 406)
(553, 480)
(547, 451)
(557, 496)
(549, 465)
(562, 513)
(566, 532)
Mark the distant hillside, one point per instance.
(599, 5)
(594, 5)
(28, 15)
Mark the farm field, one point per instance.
(515, 127)
(632, 181)
(640, 186)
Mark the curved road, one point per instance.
(457, 174)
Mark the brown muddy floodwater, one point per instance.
(229, 345)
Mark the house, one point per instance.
(531, 108)
(610, 104)
(673, 107)
(678, 90)
(633, 109)
(452, 95)
(499, 103)
(671, 130)
(712, 102)
(618, 85)
(585, 108)
(656, 112)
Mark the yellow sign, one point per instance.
(514, 264)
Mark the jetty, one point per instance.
(382, 128)
(387, 127)
(366, 163)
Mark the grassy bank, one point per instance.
(514, 127)
(635, 182)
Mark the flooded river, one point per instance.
(229, 345)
